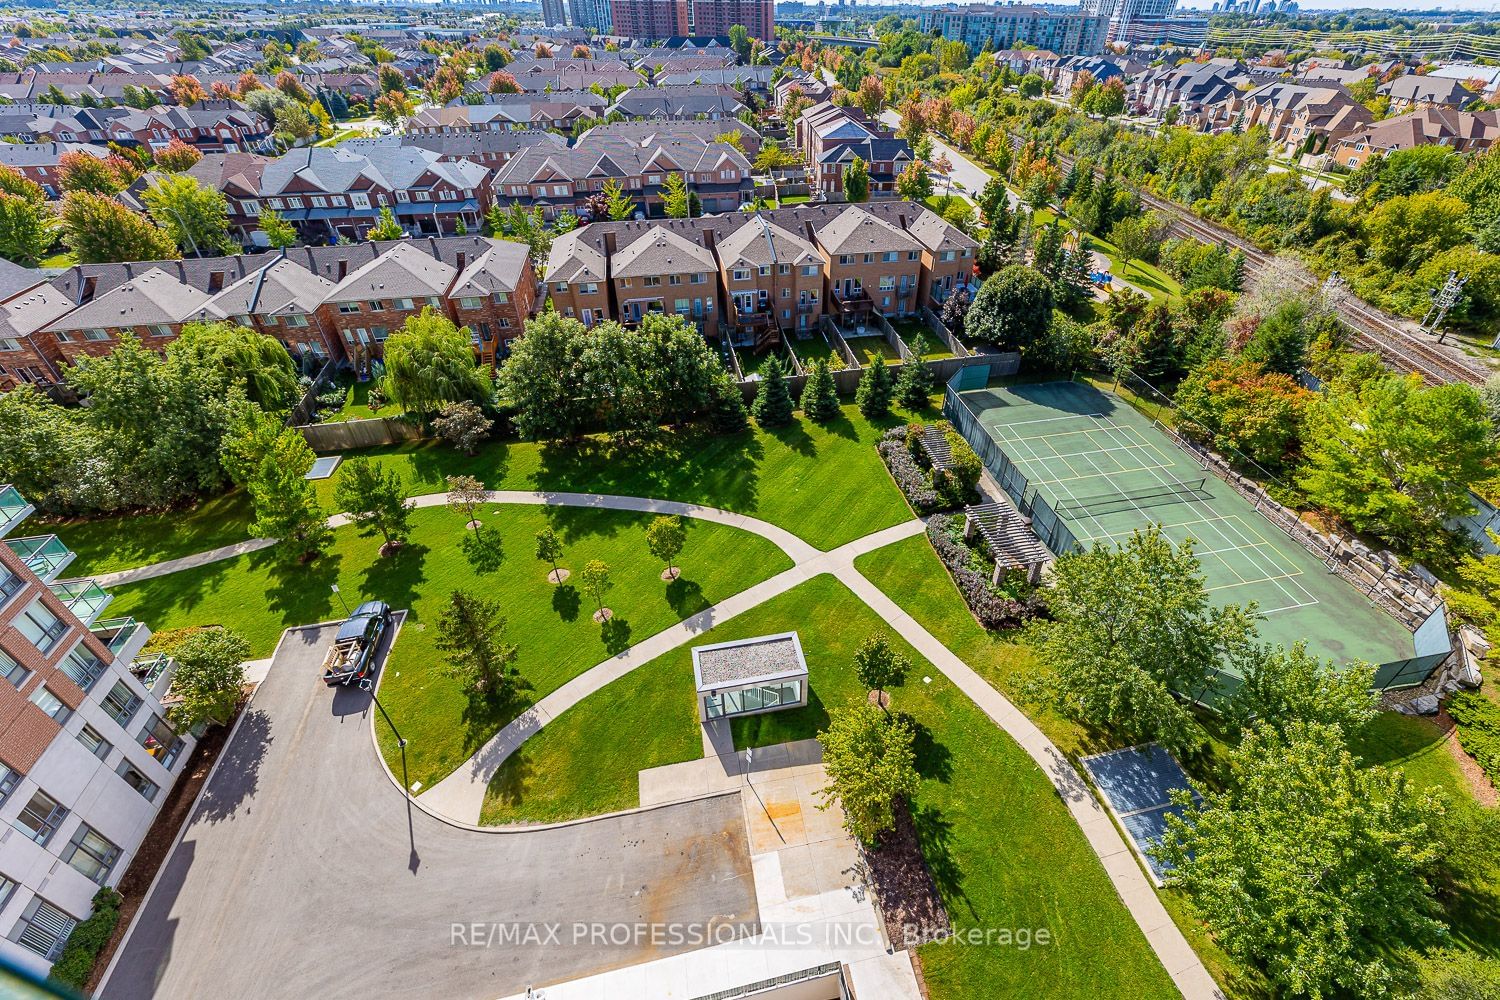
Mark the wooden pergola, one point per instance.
(1010, 537)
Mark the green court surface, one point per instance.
(1107, 471)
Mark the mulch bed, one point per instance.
(909, 902)
(160, 838)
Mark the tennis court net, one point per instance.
(1175, 491)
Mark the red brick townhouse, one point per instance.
(340, 301)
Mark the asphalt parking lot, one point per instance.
(304, 873)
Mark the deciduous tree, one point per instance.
(1133, 629)
(463, 425)
(465, 494)
(665, 537)
(210, 678)
(1012, 309)
(857, 181)
(1309, 865)
(98, 229)
(879, 665)
(279, 232)
(429, 363)
(870, 761)
(194, 216)
(376, 499)
(1281, 687)
(549, 549)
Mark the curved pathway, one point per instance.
(459, 797)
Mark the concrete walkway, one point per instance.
(794, 547)
(460, 796)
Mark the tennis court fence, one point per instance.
(1045, 521)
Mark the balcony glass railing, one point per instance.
(116, 633)
(84, 598)
(13, 508)
(44, 555)
(148, 669)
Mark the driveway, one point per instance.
(304, 872)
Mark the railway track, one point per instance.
(1373, 330)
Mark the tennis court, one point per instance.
(1107, 471)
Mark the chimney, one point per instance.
(902, 218)
(462, 259)
(343, 268)
(710, 238)
(609, 244)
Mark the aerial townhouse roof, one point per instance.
(403, 272)
(1412, 89)
(761, 243)
(612, 156)
(25, 314)
(572, 258)
(1334, 74)
(1462, 130)
(1197, 84)
(21, 155)
(656, 131)
(936, 234)
(740, 77)
(482, 147)
(679, 102)
(498, 269)
(285, 287)
(1488, 76)
(1323, 102)
(660, 251)
(858, 231)
(154, 298)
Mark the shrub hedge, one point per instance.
(1478, 721)
(76, 963)
(910, 477)
(992, 610)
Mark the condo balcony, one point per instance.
(854, 301)
(155, 673)
(124, 636)
(84, 598)
(14, 509)
(44, 555)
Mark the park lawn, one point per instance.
(1003, 848)
(825, 484)
(551, 626)
(1149, 279)
(104, 545)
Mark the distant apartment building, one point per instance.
(86, 754)
(1069, 32)
(714, 18)
(595, 15)
(554, 13)
(649, 19)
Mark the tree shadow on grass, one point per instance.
(484, 549)
(685, 597)
(843, 427)
(181, 591)
(782, 727)
(512, 782)
(566, 601)
(433, 462)
(301, 592)
(933, 759)
(576, 524)
(483, 717)
(935, 834)
(795, 437)
(396, 579)
(615, 634)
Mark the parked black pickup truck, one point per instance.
(353, 652)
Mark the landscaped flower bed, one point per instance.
(967, 565)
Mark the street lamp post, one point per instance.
(369, 686)
(335, 588)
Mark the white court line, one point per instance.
(1047, 420)
(1226, 537)
(1071, 494)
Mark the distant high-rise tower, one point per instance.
(593, 14)
(554, 14)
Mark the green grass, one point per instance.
(1003, 848)
(867, 349)
(551, 626)
(909, 329)
(816, 347)
(825, 484)
(63, 258)
(109, 544)
(795, 199)
(357, 403)
(1149, 279)
(751, 363)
